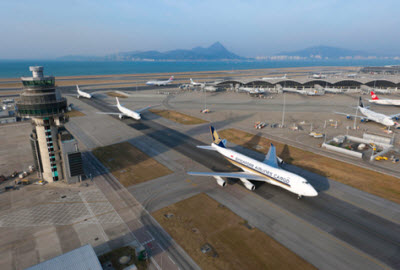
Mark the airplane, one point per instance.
(251, 90)
(196, 83)
(376, 100)
(82, 93)
(159, 83)
(369, 115)
(125, 112)
(274, 78)
(318, 76)
(266, 171)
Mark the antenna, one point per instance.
(283, 112)
(355, 118)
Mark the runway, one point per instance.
(327, 231)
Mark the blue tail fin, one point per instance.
(271, 159)
(215, 137)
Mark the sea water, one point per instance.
(18, 68)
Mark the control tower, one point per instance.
(42, 102)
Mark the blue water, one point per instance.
(17, 68)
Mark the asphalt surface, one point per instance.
(377, 237)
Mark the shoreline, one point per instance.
(185, 74)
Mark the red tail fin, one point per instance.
(373, 96)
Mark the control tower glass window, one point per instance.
(39, 83)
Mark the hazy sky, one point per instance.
(48, 29)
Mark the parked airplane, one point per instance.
(125, 112)
(319, 76)
(274, 78)
(82, 93)
(266, 171)
(251, 90)
(196, 83)
(376, 100)
(159, 83)
(369, 115)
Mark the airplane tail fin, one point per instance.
(284, 76)
(117, 100)
(215, 137)
(171, 78)
(191, 80)
(77, 88)
(361, 103)
(374, 96)
(271, 158)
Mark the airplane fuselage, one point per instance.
(160, 83)
(377, 117)
(393, 102)
(83, 94)
(128, 112)
(274, 176)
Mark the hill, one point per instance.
(215, 52)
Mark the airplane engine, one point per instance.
(363, 120)
(247, 184)
(120, 116)
(220, 181)
(348, 116)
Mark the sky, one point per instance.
(44, 29)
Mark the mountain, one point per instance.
(326, 52)
(215, 52)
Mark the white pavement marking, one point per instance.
(90, 207)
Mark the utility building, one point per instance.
(51, 142)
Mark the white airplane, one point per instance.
(319, 76)
(159, 83)
(369, 115)
(251, 90)
(82, 93)
(266, 171)
(196, 83)
(125, 112)
(376, 100)
(274, 78)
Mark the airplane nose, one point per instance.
(311, 192)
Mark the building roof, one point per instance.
(393, 81)
(83, 258)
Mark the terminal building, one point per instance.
(54, 149)
(299, 83)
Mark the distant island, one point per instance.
(215, 52)
(325, 53)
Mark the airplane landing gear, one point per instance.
(299, 197)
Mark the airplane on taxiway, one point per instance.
(376, 100)
(369, 115)
(83, 93)
(268, 171)
(125, 112)
(159, 83)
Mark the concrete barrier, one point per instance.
(342, 150)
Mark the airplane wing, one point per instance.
(352, 115)
(145, 108)
(230, 175)
(207, 147)
(394, 115)
(111, 113)
(270, 158)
